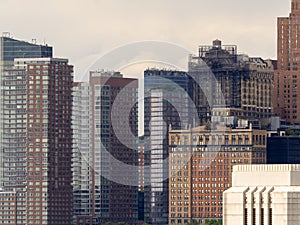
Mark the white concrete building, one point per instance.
(263, 195)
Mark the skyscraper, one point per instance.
(37, 139)
(11, 49)
(36, 135)
(287, 75)
(166, 103)
(105, 133)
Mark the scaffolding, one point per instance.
(204, 49)
(215, 56)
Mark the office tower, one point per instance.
(228, 84)
(263, 194)
(166, 103)
(283, 150)
(105, 133)
(286, 78)
(200, 166)
(37, 141)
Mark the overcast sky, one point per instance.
(85, 30)
(81, 30)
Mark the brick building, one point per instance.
(105, 156)
(37, 139)
(200, 168)
(287, 75)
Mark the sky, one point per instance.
(100, 34)
(84, 30)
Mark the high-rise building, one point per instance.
(35, 134)
(200, 168)
(263, 194)
(105, 132)
(37, 140)
(287, 74)
(228, 84)
(166, 103)
(11, 49)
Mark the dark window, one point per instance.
(246, 217)
(254, 217)
(270, 217)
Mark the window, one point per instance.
(226, 139)
(233, 140)
(254, 216)
(240, 139)
(247, 140)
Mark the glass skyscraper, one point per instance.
(166, 104)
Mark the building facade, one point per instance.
(37, 140)
(200, 168)
(263, 194)
(287, 75)
(104, 190)
(166, 103)
(228, 84)
(11, 49)
(35, 134)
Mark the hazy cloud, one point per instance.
(84, 29)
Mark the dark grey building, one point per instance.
(283, 150)
(11, 49)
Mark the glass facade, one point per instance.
(283, 150)
(12, 49)
(166, 104)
